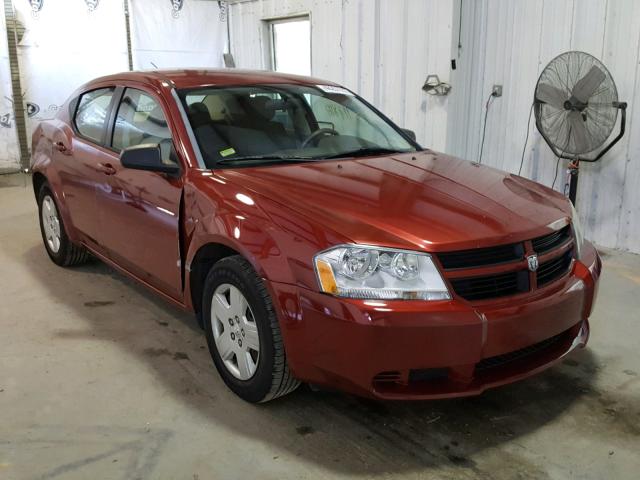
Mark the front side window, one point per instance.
(91, 114)
(249, 125)
(140, 120)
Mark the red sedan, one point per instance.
(314, 239)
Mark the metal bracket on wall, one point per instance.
(19, 110)
(433, 86)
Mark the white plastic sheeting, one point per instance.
(178, 34)
(66, 43)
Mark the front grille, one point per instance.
(482, 285)
(479, 257)
(505, 358)
(553, 240)
(553, 269)
(491, 286)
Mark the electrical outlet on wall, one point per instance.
(497, 91)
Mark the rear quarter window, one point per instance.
(92, 112)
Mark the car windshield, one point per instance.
(253, 125)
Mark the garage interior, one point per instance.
(100, 378)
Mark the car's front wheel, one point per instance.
(243, 332)
(60, 249)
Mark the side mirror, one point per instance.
(147, 157)
(409, 133)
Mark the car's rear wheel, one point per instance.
(60, 249)
(243, 333)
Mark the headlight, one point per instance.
(577, 230)
(366, 272)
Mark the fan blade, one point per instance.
(579, 132)
(552, 95)
(587, 85)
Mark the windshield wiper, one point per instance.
(270, 158)
(363, 152)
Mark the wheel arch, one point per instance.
(203, 260)
(38, 179)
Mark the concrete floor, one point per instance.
(100, 379)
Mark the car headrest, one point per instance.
(199, 114)
(263, 106)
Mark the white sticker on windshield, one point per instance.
(335, 89)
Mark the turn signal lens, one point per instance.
(325, 276)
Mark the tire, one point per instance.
(60, 249)
(266, 375)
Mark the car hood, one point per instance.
(424, 199)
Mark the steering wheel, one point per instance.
(317, 133)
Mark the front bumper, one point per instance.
(425, 350)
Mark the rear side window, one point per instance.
(91, 115)
(141, 120)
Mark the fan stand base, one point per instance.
(571, 185)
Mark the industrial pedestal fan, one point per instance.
(576, 107)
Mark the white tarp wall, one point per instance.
(9, 151)
(178, 34)
(66, 43)
(509, 43)
(381, 49)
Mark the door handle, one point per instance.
(107, 168)
(61, 147)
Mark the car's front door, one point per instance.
(139, 210)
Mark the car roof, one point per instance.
(192, 78)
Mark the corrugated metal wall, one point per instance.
(382, 49)
(510, 42)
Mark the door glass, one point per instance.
(291, 46)
(140, 120)
(91, 114)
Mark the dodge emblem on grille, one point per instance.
(532, 260)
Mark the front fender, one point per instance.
(278, 242)
(246, 229)
(42, 163)
(216, 217)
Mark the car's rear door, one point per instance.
(139, 211)
(78, 157)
